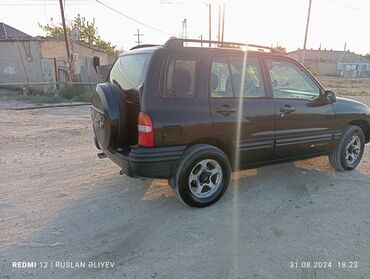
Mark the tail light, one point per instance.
(146, 131)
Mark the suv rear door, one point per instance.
(238, 94)
(304, 124)
(128, 73)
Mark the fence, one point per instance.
(55, 76)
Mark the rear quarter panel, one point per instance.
(177, 121)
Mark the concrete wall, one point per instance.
(327, 69)
(11, 67)
(57, 49)
(321, 68)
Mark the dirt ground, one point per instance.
(346, 87)
(60, 204)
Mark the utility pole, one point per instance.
(138, 36)
(69, 68)
(219, 23)
(223, 24)
(305, 36)
(184, 29)
(210, 22)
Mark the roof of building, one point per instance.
(331, 56)
(8, 32)
(47, 39)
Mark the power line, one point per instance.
(42, 4)
(51, 1)
(348, 6)
(132, 19)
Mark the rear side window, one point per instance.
(180, 77)
(129, 71)
(231, 78)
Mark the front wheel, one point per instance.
(349, 150)
(202, 176)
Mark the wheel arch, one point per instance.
(364, 125)
(224, 146)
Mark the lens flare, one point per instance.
(236, 209)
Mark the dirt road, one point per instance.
(60, 204)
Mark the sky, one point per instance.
(333, 22)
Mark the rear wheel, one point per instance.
(349, 150)
(202, 175)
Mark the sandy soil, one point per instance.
(60, 203)
(346, 87)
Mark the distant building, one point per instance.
(31, 60)
(334, 62)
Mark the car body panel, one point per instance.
(266, 137)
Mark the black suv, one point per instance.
(195, 114)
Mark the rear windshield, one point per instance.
(129, 71)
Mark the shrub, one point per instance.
(75, 93)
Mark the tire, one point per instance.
(96, 141)
(202, 176)
(339, 158)
(109, 115)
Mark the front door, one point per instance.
(303, 122)
(242, 113)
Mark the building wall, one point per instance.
(353, 69)
(321, 68)
(327, 69)
(57, 49)
(12, 53)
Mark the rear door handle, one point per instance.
(287, 109)
(226, 110)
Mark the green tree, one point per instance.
(367, 56)
(282, 49)
(88, 33)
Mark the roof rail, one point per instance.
(177, 43)
(142, 46)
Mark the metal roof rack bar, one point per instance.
(177, 43)
(142, 46)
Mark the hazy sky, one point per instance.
(333, 22)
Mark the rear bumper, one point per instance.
(155, 162)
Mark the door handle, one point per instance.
(226, 110)
(287, 109)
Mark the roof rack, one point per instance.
(178, 43)
(142, 46)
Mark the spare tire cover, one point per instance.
(109, 116)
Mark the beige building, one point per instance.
(333, 62)
(34, 61)
(80, 54)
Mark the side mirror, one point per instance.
(329, 96)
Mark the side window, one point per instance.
(219, 77)
(227, 78)
(290, 81)
(181, 77)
